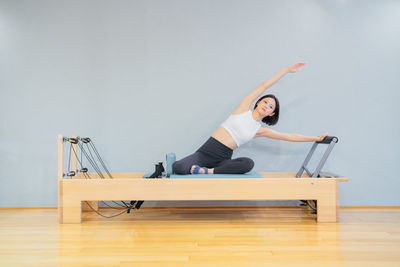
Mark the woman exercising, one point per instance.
(215, 155)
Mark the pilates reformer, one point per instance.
(80, 190)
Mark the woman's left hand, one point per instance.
(320, 138)
(296, 67)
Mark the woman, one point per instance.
(215, 156)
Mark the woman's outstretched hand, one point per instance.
(320, 138)
(296, 67)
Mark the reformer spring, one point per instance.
(72, 140)
(85, 140)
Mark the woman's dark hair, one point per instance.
(270, 120)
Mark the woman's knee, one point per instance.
(247, 164)
(180, 167)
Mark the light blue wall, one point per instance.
(144, 78)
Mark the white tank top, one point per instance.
(242, 127)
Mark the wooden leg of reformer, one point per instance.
(60, 207)
(327, 203)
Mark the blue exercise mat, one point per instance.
(252, 174)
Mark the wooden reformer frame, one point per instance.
(72, 192)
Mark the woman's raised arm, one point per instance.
(250, 98)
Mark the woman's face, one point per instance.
(266, 106)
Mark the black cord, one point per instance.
(81, 160)
(69, 158)
(97, 169)
(98, 157)
(95, 166)
(93, 159)
(101, 160)
(105, 215)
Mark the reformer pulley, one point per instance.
(83, 170)
(71, 140)
(70, 174)
(85, 140)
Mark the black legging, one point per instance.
(214, 154)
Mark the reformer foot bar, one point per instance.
(74, 192)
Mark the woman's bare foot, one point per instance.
(201, 170)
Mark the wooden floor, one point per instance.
(201, 237)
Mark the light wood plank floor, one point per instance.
(201, 237)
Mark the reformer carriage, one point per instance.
(80, 190)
